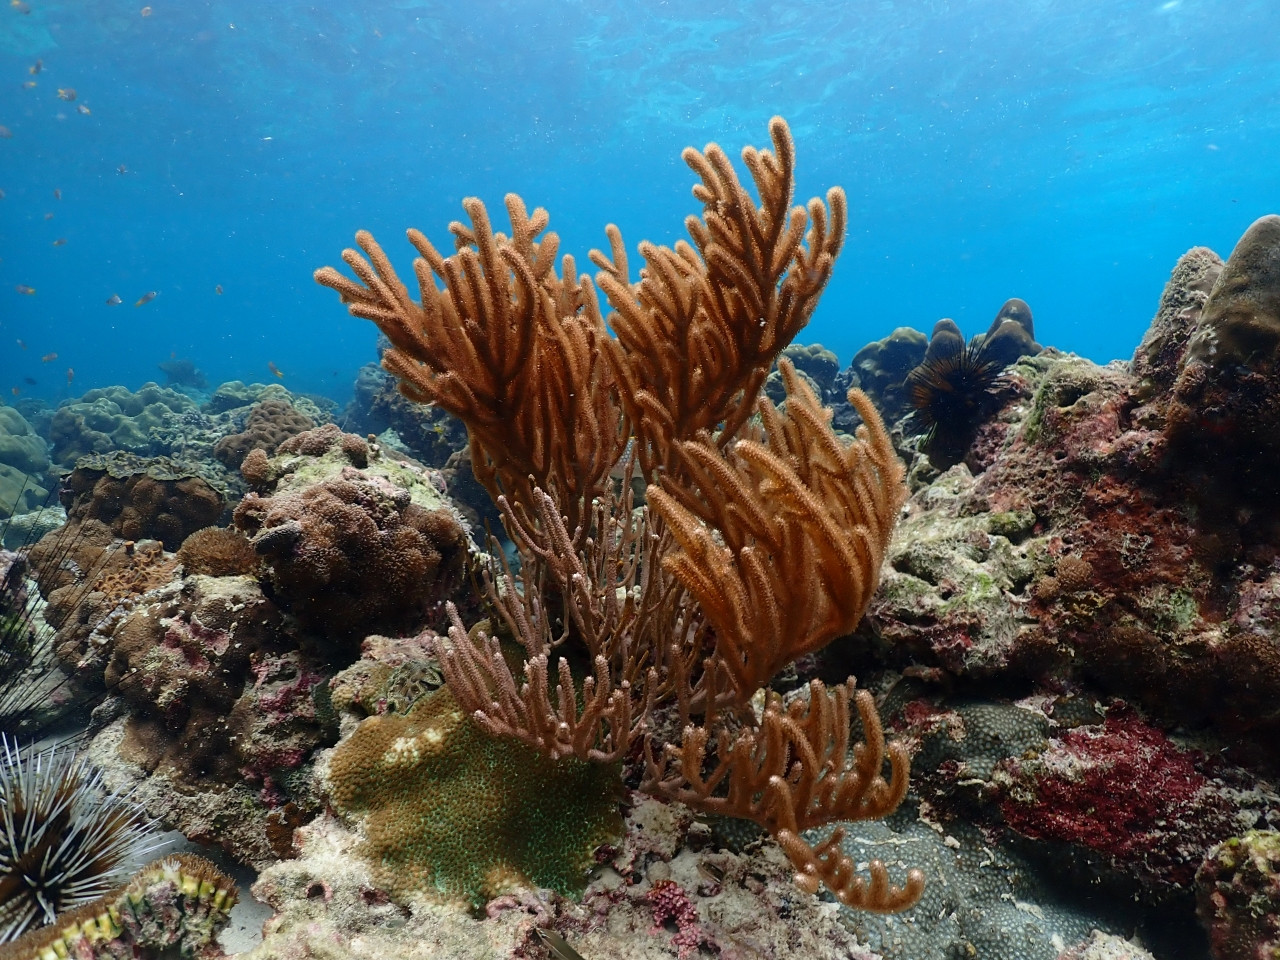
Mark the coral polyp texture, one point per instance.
(449, 810)
(172, 907)
(64, 840)
(349, 551)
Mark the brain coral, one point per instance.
(453, 811)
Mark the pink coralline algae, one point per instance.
(671, 905)
(1124, 791)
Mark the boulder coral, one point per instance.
(114, 418)
(141, 498)
(24, 460)
(350, 553)
(448, 809)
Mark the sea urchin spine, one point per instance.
(64, 840)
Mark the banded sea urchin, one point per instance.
(64, 839)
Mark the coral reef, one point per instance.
(1221, 425)
(547, 427)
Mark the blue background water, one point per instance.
(1063, 151)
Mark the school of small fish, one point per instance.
(69, 94)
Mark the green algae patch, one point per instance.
(452, 812)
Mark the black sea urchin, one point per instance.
(950, 390)
(64, 840)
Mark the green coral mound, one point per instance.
(451, 811)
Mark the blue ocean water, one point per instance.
(1062, 151)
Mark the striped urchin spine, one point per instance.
(64, 840)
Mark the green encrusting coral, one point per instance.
(450, 810)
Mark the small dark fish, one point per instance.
(557, 944)
(57, 194)
(122, 169)
(19, 6)
(71, 375)
(114, 300)
(35, 67)
(26, 291)
(60, 241)
(218, 289)
(274, 369)
(1, 194)
(48, 216)
(5, 132)
(67, 93)
(147, 297)
(15, 391)
(81, 108)
(22, 344)
(49, 358)
(29, 381)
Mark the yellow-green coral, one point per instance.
(450, 810)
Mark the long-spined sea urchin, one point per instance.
(64, 839)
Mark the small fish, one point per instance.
(57, 194)
(49, 358)
(145, 11)
(60, 241)
(19, 6)
(1, 194)
(48, 216)
(71, 375)
(147, 297)
(81, 108)
(122, 169)
(5, 132)
(114, 300)
(35, 67)
(26, 291)
(218, 289)
(15, 391)
(22, 344)
(67, 93)
(274, 369)
(29, 381)
(29, 84)
(557, 945)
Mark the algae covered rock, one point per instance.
(1238, 896)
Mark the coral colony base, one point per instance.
(630, 727)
